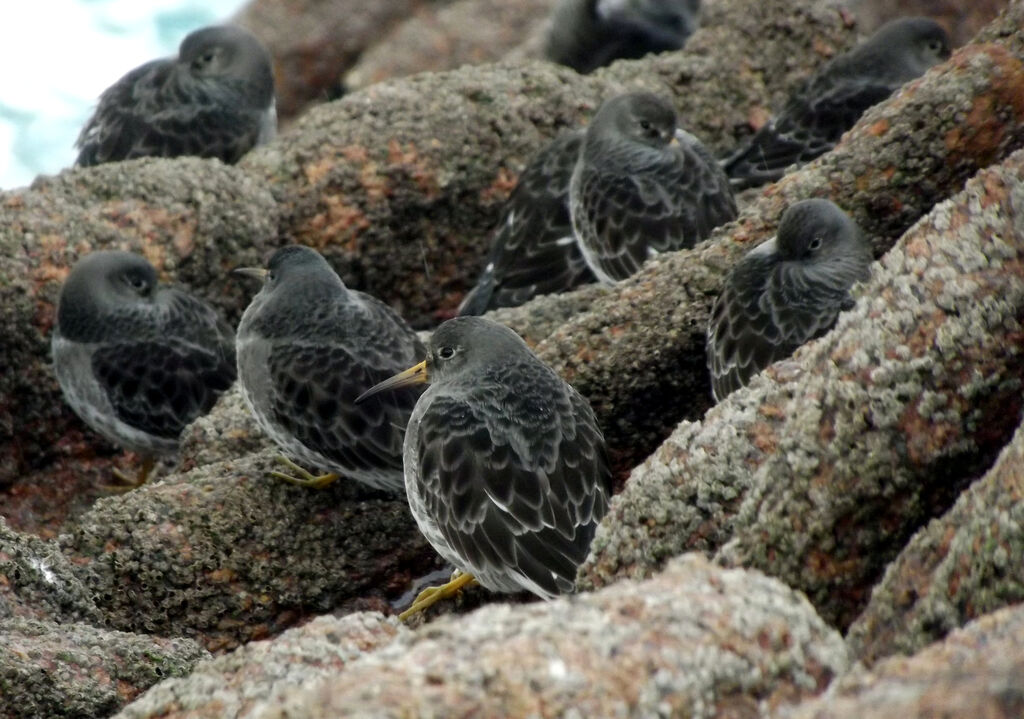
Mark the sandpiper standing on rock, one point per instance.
(135, 360)
(785, 292)
(307, 347)
(505, 466)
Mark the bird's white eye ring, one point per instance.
(815, 244)
(446, 353)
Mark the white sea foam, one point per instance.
(57, 56)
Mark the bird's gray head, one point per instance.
(639, 116)
(226, 51)
(469, 342)
(101, 284)
(909, 46)
(292, 266)
(110, 276)
(817, 231)
(457, 347)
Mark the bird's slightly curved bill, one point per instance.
(258, 272)
(411, 376)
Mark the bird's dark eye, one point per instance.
(815, 244)
(645, 124)
(446, 353)
(137, 282)
(271, 276)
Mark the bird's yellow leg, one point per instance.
(431, 595)
(307, 479)
(128, 482)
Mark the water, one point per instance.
(57, 56)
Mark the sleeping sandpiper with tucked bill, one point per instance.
(137, 361)
(642, 186)
(215, 99)
(307, 347)
(832, 100)
(505, 465)
(785, 292)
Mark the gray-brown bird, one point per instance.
(137, 361)
(215, 99)
(785, 292)
(833, 99)
(534, 251)
(587, 34)
(643, 186)
(307, 347)
(505, 466)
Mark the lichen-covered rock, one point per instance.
(239, 684)
(312, 42)
(37, 582)
(226, 554)
(820, 469)
(976, 672)
(81, 671)
(227, 431)
(960, 566)
(464, 32)
(195, 220)
(693, 641)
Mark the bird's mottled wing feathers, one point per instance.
(313, 397)
(315, 382)
(159, 385)
(533, 251)
(622, 217)
(155, 111)
(534, 515)
(810, 125)
(763, 314)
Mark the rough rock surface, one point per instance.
(240, 683)
(76, 670)
(819, 470)
(436, 38)
(229, 431)
(976, 672)
(963, 565)
(38, 582)
(312, 42)
(962, 20)
(225, 554)
(693, 641)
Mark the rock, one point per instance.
(240, 683)
(465, 32)
(77, 670)
(822, 467)
(975, 672)
(692, 641)
(313, 42)
(229, 431)
(38, 582)
(957, 568)
(226, 554)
